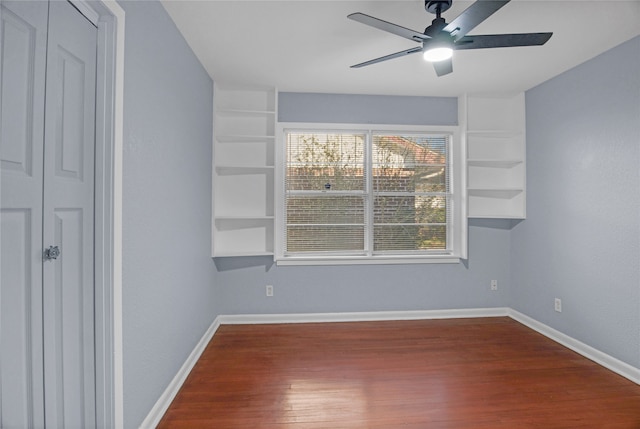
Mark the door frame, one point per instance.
(109, 18)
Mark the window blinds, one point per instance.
(326, 200)
(366, 193)
(411, 199)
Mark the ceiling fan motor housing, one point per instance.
(437, 6)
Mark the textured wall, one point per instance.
(168, 297)
(581, 239)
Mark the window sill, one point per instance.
(368, 260)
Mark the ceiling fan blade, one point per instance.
(443, 67)
(388, 57)
(472, 16)
(502, 40)
(388, 27)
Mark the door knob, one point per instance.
(51, 253)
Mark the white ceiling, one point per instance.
(308, 45)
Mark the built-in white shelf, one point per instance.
(244, 112)
(495, 193)
(494, 130)
(243, 254)
(243, 236)
(243, 173)
(244, 169)
(239, 138)
(240, 219)
(494, 163)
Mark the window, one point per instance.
(350, 195)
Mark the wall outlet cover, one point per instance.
(557, 305)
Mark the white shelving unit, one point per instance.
(243, 170)
(495, 138)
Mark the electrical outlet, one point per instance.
(557, 305)
(269, 290)
(494, 284)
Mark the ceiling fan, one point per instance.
(440, 39)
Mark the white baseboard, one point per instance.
(374, 316)
(624, 369)
(162, 404)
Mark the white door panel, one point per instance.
(23, 37)
(68, 219)
(47, 374)
(20, 319)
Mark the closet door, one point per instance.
(23, 43)
(47, 117)
(68, 283)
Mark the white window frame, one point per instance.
(457, 186)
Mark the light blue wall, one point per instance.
(581, 239)
(328, 289)
(168, 297)
(367, 109)
(300, 289)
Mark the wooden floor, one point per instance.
(455, 373)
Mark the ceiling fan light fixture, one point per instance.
(439, 53)
(440, 39)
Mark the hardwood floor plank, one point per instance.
(454, 373)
